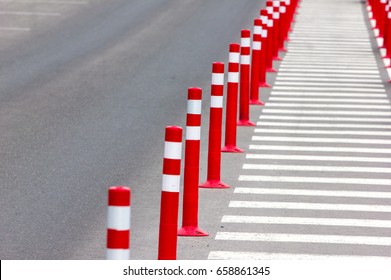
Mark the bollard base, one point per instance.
(257, 102)
(232, 149)
(264, 84)
(214, 184)
(245, 123)
(277, 58)
(192, 231)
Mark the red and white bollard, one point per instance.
(168, 229)
(283, 25)
(215, 128)
(118, 223)
(232, 100)
(256, 63)
(264, 52)
(244, 104)
(269, 40)
(192, 165)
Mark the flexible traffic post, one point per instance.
(256, 63)
(276, 30)
(283, 26)
(118, 223)
(244, 79)
(232, 100)
(264, 51)
(269, 41)
(387, 38)
(168, 228)
(215, 128)
(192, 165)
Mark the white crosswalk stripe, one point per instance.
(316, 181)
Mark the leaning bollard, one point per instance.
(215, 127)
(170, 193)
(232, 100)
(118, 223)
(192, 165)
(244, 104)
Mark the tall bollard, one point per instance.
(264, 51)
(192, 165)
(215, 127)
(118, 223)
(232, 100)
(269, 41)
(244, 104)
(255, 65)
(170, 193)
(283, 26)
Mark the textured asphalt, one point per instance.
(84, 99)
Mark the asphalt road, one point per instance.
(84, 100)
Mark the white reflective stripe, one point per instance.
(117, 254)
(283, 9)
(276, 15)
(233, 77)
(257, 45)
(264, 33)
(264, 19)
(288, 2)
(194, 107)
(118, 217)
(216, 101)
(276, 3)
(383, 1)
(218, 79)
(269, 10)
(389, 15)
(245, 42)
(257, 29)
(171, 183)
(193, 133)
(245, 60)
(270, 23)
(234, 57)
(172, 150)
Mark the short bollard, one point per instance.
(170, 193)
(118, 223)
(192, 165)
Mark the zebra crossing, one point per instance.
(316, 182)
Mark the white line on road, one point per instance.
(324, 112)
(305, 238)
(323, 140)
(315, 168)
(330, 100)
(327, 94)
(306, 221)
(317, 70)
(332, 119)
(332, 106)
(320, 149)
(318, 158)
(357, 82)
(329, 67)
(317, 180)
(332, 89)
(310, 206)
(231, 255)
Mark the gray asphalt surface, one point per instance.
(84, 100)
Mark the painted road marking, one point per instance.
(320, 149)
(324, 112)
(327, 94)
(305, 238)
(329, 100)
(306, 221)
(308, 105)
(310, 206)
(319, 158)
(329, 118)
(323, 140)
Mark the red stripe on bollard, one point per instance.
(232, 100)
(215, 127)
(256, 63)
(244, 104)
(192, 165)
(118, 223)
(170, 193)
